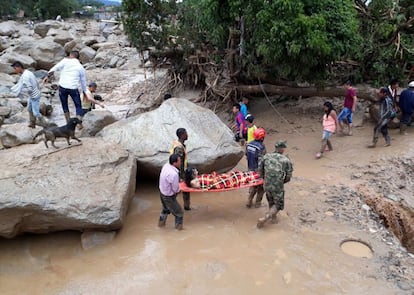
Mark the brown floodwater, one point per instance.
(220, 250)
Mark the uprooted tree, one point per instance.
(237, 47)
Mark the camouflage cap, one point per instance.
(280, 144)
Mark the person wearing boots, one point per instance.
(71, 74)
(386, 115)
(406, 104)
(255, 150)
(276, 169)
(28, 81)
(169, 187)
(179, 148)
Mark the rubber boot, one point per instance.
(41, 121)
(179, 223)
(80, 125)
(186, 200)
(273, 213)
(32, 120)
(403, 129)
(249, 200)
(374, 142)
(252, 192)
(261, 222)
(162, 221)
(259, 196)
(67, 117)
(387, 140)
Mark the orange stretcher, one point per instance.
(185, 188)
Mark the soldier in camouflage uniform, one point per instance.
(179, 148)
(276, 169)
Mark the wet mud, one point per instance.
(220, 250)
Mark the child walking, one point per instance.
(329, 125)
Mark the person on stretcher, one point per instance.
(219, 181)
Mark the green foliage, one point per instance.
(148, 23)
(388, 43)
(49, 9)
(279, 39)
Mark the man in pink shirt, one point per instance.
(169, 187)
(350, 103)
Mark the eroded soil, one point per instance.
(220, 250)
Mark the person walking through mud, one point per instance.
(329, 126)
(169, 187)
(276, 169)
(29, 82)
(386, 113)
(349, 108)
(406, 104)
(179, 149)
(71, 74)
(255, 150)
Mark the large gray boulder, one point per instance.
(11, 57)
(12, 135)
(47, 53)
(84, 187)
(8, 28)
(42, 28)
(95, 120)
(149, 136)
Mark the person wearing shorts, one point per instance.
(350, 102)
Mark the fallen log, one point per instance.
(363, 93)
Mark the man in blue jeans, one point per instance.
(72, 73)
(348, 110)
(29, 82)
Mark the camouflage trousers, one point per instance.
(276, 198)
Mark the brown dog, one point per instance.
(67, 131)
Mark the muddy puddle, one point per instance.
(220, 250)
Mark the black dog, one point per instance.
(67, 131)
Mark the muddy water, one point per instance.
(220, 251)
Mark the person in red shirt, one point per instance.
(348, 110)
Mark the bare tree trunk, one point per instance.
(270, 89)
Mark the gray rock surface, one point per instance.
(149, 137)
(84, 187)
(95, 120)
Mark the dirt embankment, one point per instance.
(388, 190)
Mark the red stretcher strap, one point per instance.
(185, 188)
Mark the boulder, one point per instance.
(7, 80)
(95, 121)
(149, 136)
(23, 44)
(8, 28)
(12, 135)
(86, 55)
(11, 57)
(47, 53)
(4, 44)
(5, 111)
(69, 46)
(42, 28)
(84, 187)
(60, 36)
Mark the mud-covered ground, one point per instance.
(220, 250)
